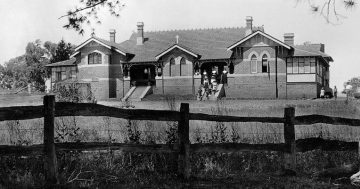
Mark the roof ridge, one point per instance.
(193, 29)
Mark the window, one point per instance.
(253, 63)
(172, 61)
(182, 61)
(172, 67)
(295, 65)
(58, 76)
(312, 65)
(94, 58)
(289, 67)
(301, 65)
(182, 66)
(307, 65)
(265, 63)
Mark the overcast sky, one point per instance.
(23, 21)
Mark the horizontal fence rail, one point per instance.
(302, 145)
(183, 148)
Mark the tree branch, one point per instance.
(81, 9)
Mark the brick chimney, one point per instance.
(140, 33)
(289, 38)
(112, 35)
(249, 26)
(322, 47)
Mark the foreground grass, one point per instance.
(109, 169)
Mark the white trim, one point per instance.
(175, 46)
(97, 41)
(261, 33)
(117, 50)
(74, 54)
(90, 40)
(267, 54)
(253, 53)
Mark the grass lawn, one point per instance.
(113, 129)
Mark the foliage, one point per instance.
(329, 9)
(13, 74)
(88, 12)
(36, 71)
(74, 92)
(62, 52)
(355, 83)
(172, 127)
(30, 67)
(133, 132)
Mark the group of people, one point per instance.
(322, 92)
(208, 88)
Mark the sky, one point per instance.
(24, 21)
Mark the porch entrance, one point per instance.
(142, 75)
(208, 67)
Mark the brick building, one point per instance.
(259, 66)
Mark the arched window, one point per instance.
(182, 66)
(253, 64)
(182, 61)
(94, 58)
(265, 64)
(172, 67)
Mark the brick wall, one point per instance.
(105, 78)
(302, 90)
(176, 85)
(259, 86)
(186, 69)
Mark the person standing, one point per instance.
(223, 78)
(335, 92)
(322, 93)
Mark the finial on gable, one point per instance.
(177, 39)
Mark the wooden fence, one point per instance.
(183, 148)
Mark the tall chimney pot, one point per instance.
(289, 38)
(249, 27)
(112, 35)
(140, 33)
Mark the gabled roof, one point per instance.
(103, 42)
(181, 47)
(311, 50)
(70, 62)
(261, 33)
(209, 43)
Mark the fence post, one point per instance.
(184, 142)
(289, 135)
(49, 146)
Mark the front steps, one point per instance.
(137, 93)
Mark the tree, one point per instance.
(329, 8)
(88, 11)
(355, 83)
(35, 62)
(62, 52)
(30, 67)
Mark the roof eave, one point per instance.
(101, 43)
(262, 33)
(157, 57)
